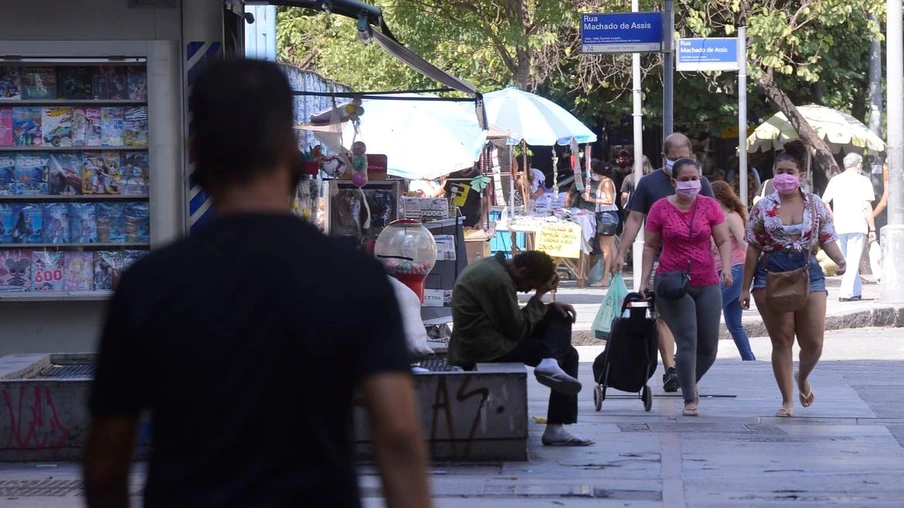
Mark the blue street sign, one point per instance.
(707, 54)
(626, 32)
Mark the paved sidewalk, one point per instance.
(846, 450)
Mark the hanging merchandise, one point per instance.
(587, 160)
(576, 165)
(359, 164)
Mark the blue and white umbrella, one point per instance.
(421, 139)
(533, 119)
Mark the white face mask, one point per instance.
(669, 164)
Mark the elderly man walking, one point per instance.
(850, 194)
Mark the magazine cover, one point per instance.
(110, 223)
(7, 223)
(10, 83)
(15, 271)
(82, 223)
(56, 223)
(101, 173)
(138, 223)
(78, 274)
(64, 174)
(111, 126)
(31, 173)
(79, 126)
(6, 127)
(134, 179)
(27, 225)
(93, 127)
(138, 83)
(130, 256)
(7, 174)
(110, 83)
(107, 267)
(56, 125)
(47, 269)
(27, 127)
(135, 127)
(39, 83)
(75, 83)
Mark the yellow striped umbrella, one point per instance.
(842, 132)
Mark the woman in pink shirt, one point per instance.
(682, 226)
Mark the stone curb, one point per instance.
(879, 317)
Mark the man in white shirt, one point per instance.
(851, 195)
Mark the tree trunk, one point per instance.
(522, 72)
(822, 156)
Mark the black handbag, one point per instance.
(674, 285)
(606, 228)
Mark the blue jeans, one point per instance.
(783, 261)
(731, 310)
(851, 245)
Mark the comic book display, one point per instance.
(74, 176)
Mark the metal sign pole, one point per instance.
(893, 234)
(742, 112)
(637, 250)
(668, 71)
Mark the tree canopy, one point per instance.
(800, 51)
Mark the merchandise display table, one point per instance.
(530, 225)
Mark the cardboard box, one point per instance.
(477, 249)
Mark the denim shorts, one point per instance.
(783, 261)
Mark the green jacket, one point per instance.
(487, 320)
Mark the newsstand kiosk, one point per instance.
(94, 169)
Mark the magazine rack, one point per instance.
(74, 187)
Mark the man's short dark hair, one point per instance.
(540, 267)
(243, 121)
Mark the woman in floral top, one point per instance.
(780, 228)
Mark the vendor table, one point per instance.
(531, 224)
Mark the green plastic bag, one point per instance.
(610, 308)
(596, 273)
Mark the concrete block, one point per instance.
(478, 415)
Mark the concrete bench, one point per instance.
(472, 416)
(479, 415)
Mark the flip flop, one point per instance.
(571, 440)
(559, 381)
(784, 412)
(805, 400)
(688, 411)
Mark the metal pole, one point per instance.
(893, 234)
(742, 112)
(875, 83)
(668, 72)
(637, 250)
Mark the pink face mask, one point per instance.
(688, 189)
(786, 183)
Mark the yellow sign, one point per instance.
(560, 240)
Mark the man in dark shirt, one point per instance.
(247, 340)
(650, 189)
(458, 189)
(490, 326)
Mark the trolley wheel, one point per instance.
(598, 397)
(647, 397)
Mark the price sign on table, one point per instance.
(560, 240)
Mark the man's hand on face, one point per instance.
(564, 309)
(548, 286)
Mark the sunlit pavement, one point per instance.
(845, 450)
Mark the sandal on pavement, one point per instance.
(808, 399)
(691, 411)
(569, 440)
(558, 381)
(784, 412)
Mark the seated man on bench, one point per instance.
(490, 326)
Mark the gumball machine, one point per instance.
(408, 251)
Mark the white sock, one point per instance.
(549, 365)
(553, 429)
